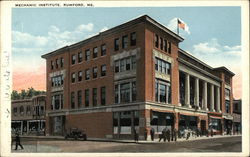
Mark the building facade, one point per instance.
(28, 115)
(237, 120)
(134, 76)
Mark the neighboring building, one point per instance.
(134, 76)
(28, 115)
(237, 116)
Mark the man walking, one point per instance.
(167, 135)
(152, 133)
(135, 136)
(18, 142)
(175, 134)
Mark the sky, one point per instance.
(213, 35)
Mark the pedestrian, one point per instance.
(167, 135)
(135, 136)
(163, 135)
(175, 132)
(172, 134)
(212, 133)
(145, 134)
(188, 134)
(18, 141)
(152, 133)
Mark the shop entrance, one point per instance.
(203, 127)
(187, 122)
(161, 120)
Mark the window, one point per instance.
(72, 100)
(133, 62)
(227, 94)
(95, 72)
(133, 39)
(62, 62)
(86, 97)
(165, 45)
(122, 65)
(116, 44)
(21, 109)
(87, 55)
(103, 49)
(94, 96)
(162, 66)
(103, 70)
(57, 63)
(57, 102)
(117, 66)
(124, 41)
(128, 63)
(156, 91)
(156, 64)
(161, 44)
(133, 91)
(168, 68)
(169, 47)
(95, 52)
(52, 65)
(73, 59)
(156, 41)
(28, 110)
(227, 106)
(79, 98)
(87, 74)
(162, 92)
(125, 92)
(73, 77)
(80, 57)
(79, 76)
(15, 110)
(57, 80)
(103, 95)
(116, 93)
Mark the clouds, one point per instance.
(172, 25)
(212, 47)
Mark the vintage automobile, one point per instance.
(76, 134)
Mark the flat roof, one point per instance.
(143, 18)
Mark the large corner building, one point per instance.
(134, 76)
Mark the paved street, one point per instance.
(211, 144)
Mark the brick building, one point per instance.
(237, 116)
(134, 76)
(28, 115)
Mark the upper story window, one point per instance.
(103, 49)
(57, 63)
(73, 59)
(94, 96)
(86, 97)
(79, 76)
(165, 45)
(57, 102)
(103, 70)
(21, 109)
(87, 55)
(169, 47)
(95, 72)
(156, 41)
(125, 64)
(133, 39)
(87, 74)
(73, 77)
(57, 80)
(95, 52)
(227, 94)
(72, 100)
(79, 98)
(161, 43)
(162, 92)
(15, 110)
(227, 105)
(227, 79)
(124, 41)
(80, 56)
(127, 92)
(52, 65)
(116, 44)
(62, 62)
(162, 66)
(103, 95)
(28, 110)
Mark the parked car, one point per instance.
(76, 134)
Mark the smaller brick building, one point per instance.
(28, 115)
(237, 120)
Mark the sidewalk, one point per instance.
(131, 141)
